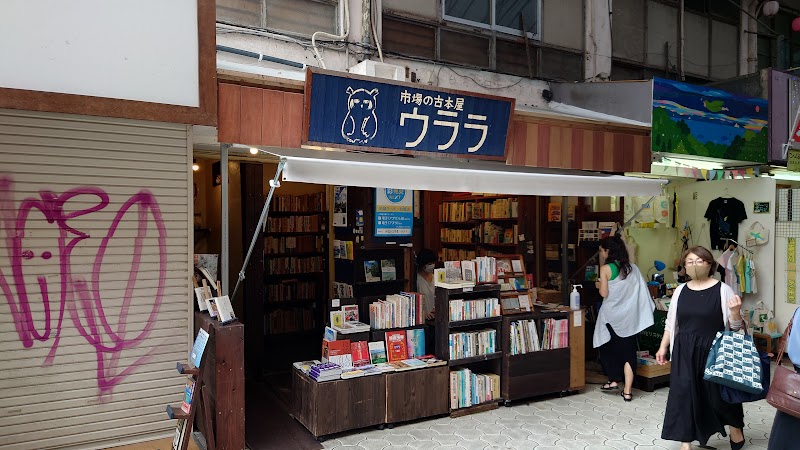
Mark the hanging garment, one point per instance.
(725, 215)
(723, 263)
(753, 285)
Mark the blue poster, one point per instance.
(394, 212)
(356, 112)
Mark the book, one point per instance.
(440, 276)
(211, 305)
(377, 352)
(516, 266)
(198, 348)
(351, 327)
(396, 349)
(388, 271)
(415, 342)
(337, 319)
(188, 392)
(360, 352)
(200, 294)
(350, 313)
(225, 309)
(329, 335)
(413, 362)
(180, 434)
(524, 301)
(468, 271)
(504, 267)
(339, 353)
(372, 271)
(354, 373)
(305, 366)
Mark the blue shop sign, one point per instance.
(362, 113)
(394, 212)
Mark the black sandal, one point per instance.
(626, 397)
(609, 387)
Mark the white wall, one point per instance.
(664, 244)
(145, 50)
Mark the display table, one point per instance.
(649, 377)
(341, 405)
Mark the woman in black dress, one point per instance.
(699, 309)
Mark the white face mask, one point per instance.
(428, 268)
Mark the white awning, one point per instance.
(451, 175)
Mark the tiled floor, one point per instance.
(592, 420)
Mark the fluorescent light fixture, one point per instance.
(452, 175)
(253, 151)
(670, 161)
(788, 176)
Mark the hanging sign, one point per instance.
(793, 162)
(365, 113)
(394, 212)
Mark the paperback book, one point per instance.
(372, 271)
(188, 392)
(415, 342)
(360, 353)
(388, 271)
(396, 345)
(377, 353)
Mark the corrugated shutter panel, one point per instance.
(116, 280)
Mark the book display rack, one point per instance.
(470, 346)
(196, 394)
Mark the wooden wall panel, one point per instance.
(578, 146)
(250, 116)
(258, 116)
(230, 105)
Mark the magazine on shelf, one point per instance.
(388, 270)
(372, 271)
(350, 313)
(396, 346)
(188, 393)
(415, 342)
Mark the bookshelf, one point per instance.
(486, 360)
(476, 225)
(537, 372)
(295, 275)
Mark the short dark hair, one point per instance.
(704, 254)
(426, 256)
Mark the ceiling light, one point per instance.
(788, 176)
(689, 163)
(195, 166)
(771, 8)
(253, 151)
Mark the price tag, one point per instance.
(468, 289)
(335, 303)
(578, 318)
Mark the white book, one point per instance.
(225, 309)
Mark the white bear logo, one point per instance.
(361, 124)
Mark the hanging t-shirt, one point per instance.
(725, 215)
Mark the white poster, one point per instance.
(340, 206)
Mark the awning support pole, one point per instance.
(274, 183)
(225, 244)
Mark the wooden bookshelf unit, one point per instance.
(489, 363)
(295, 277)
(476, 225)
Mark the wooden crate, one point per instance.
(653, 371)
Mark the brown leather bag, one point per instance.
(784, 391)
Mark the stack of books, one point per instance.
(474, 309)
(469, 344)
(468, 388)
(325, 372)
(556, 334)
(524, 337)
(305, 366)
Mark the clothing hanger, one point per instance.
(743, 247)
(726, 194)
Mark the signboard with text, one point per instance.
(394, 212)
(365, 113)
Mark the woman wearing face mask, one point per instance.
(426, 262)
(698, 310)
(627, 309)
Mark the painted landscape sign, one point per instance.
(701, 121)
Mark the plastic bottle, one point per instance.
(575, 297)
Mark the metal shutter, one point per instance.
(110, 377)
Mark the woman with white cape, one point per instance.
(627, 309)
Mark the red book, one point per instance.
(360, 353)
(396, 345)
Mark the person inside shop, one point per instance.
(698, 310)
(426, 263)
(785, 428)
(627, 310)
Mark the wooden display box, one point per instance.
(340, 405)
(535, 373)
(415, 394)
(653, 371)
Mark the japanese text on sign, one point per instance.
(394, 212)
(383, 116)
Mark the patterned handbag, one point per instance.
(733, 361)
